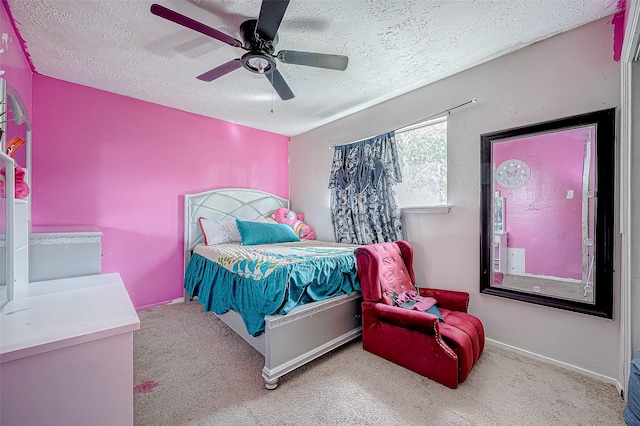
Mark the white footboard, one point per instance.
(306, 333)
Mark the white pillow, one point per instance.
(219, 232)
(224, 231)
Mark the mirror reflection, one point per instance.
(545, 183)
(548, 240)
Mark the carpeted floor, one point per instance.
(190, 369)
(555, 288)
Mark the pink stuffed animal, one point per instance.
(289, 217)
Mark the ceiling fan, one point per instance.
(260, 37)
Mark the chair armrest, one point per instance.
(366, 260)
(448, 299)
(407, 318)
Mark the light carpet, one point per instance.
(191, 369)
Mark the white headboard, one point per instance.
(219, 204)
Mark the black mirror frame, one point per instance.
(604, 221)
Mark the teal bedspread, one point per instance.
(268, 279)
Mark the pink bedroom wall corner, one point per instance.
(124, 165)
(10, 22)
(619, 22)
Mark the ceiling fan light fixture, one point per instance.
(258, 63)
(259, 38)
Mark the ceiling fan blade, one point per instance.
(318, 60)
(281, 86)
(172, 16)
(271, 14)
(220, 71)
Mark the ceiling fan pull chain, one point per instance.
(272, 90)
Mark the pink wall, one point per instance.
(619, 21)
(538, 215)
(123, 165)
(15, 69)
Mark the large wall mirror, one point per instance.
(547, 213)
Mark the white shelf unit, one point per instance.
(500, 252)
(14, 243)
(16, 213)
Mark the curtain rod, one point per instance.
(472, 101)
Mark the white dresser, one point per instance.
(66, 354)
(66, 332)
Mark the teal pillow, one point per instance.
(253, 233)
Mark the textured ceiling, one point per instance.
(393, 47)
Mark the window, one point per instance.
(422, 152)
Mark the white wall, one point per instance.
(568, 74)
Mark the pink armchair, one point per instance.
(444, 351)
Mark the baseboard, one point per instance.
(155, 305)
(580, 370)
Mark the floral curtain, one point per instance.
(363, 207)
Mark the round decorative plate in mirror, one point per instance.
(512, 173)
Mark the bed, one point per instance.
(287, 341)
